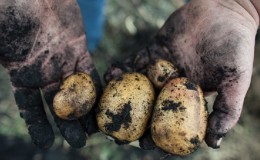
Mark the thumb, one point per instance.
(227, 108)
(86, 65)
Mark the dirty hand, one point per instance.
(212, 43)
(42, 42)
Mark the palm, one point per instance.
(214, 47)
(212, 43)
(42, 43)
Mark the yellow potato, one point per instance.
(125, 107)
(76, 97)
(160, 72)
(179, 118)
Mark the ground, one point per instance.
(130, 24)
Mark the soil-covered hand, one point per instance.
(212, 43)
(42, 42)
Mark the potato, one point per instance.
(160, 72)
(125, 107)
(179, 118)
(76, 97)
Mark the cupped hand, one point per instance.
(43, 42)
(212, 43)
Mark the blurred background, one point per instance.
(129, 25)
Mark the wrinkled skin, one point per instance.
(212, 43)
(42, 42)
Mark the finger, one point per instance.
(89, 122)
(85, 65)
(112, 72)
(137, 62)
(72, 130)
(146, 141)
(31, 110)
(140, 61)
(226, 109)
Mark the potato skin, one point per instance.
(180, 117)
(160, 72)
(76, 97)
(125, 107)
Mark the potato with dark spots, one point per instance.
(125, 107)
(179, 118)
(76, 97)
(160, 72)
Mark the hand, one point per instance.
(212, 43)
(42, 42)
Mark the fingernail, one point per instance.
(218, 142)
